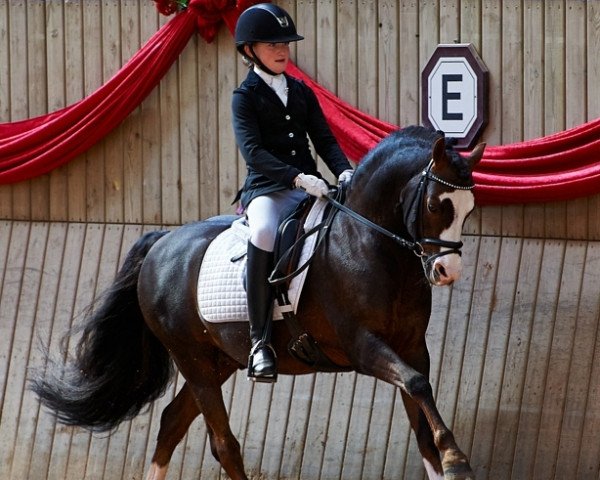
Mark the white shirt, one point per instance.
(278, 83)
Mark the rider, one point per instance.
(274, 115)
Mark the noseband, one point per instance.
(415, 246)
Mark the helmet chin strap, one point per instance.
(260, 64)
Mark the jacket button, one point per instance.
(291, 135)
(293, 152)
(287, 117)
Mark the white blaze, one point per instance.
(463, 202)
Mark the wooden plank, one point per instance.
(346, 54)
(189, 120)
(533, 99)
(588, 352)
(554, 66)
(449, 21)
(456, 334)
(491, 25)
(17, 399)
(575, 109)
(75, 188)
(515, 360)
(107, 264)
(113, 143)
(337, 425)
(275, 436)
(388, 67)
(92, 68)
(379, 429)
(78, 446)
(501, 311)
(557, 368)
(527, 433)
(131, 128)
(208, 153)
(399, 459)
(255, 435)
(478, 335)
(318, 424)
(512, 103)
(56, 84)
(408, 52)
(48, 455)
(4, 60)
(30, 463)
(19, 104)
(353, 459)
(170, 174)
(306, 24)
(9, 298)
(296, 439)
(151, 134)
(572, 446)
(367, 32)
(326, 36)
(5, 97)
(29, 53)
(592, 60)
(36, 300)
(229, 177)
(555, 214)
(36, 191)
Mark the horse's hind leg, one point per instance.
(174, 423)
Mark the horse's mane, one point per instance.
(405, 152)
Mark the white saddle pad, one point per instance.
(221, 294)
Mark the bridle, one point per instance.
(416, 246)
(416, 207)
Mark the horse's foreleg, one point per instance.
(374, 357)
(425, 441)
(174, 423)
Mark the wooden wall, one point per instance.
(515, 345)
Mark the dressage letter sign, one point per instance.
(454, 93)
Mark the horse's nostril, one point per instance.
(441, 271)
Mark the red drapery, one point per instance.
(561, 166)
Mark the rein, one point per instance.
(415, 246)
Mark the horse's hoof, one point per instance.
(459, 472)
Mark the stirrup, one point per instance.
(262, 377)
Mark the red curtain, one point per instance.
(561, 166)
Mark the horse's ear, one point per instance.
(439, 152)
(476, 155)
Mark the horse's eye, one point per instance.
(432, 206)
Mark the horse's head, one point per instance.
(442, 199)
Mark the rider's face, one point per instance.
(275, 56)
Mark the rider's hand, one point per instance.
(312, 185)
(345, 176)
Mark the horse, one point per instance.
(366, 302)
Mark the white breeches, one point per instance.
(264, 214)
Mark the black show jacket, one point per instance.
(273, 138)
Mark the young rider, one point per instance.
(274, 115)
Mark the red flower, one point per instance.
(169, 7)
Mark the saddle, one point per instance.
(221, 289)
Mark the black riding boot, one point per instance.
(262, 361)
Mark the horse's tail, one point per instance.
(118, 367)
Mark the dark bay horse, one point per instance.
(367, 302)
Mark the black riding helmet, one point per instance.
(266, 23)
